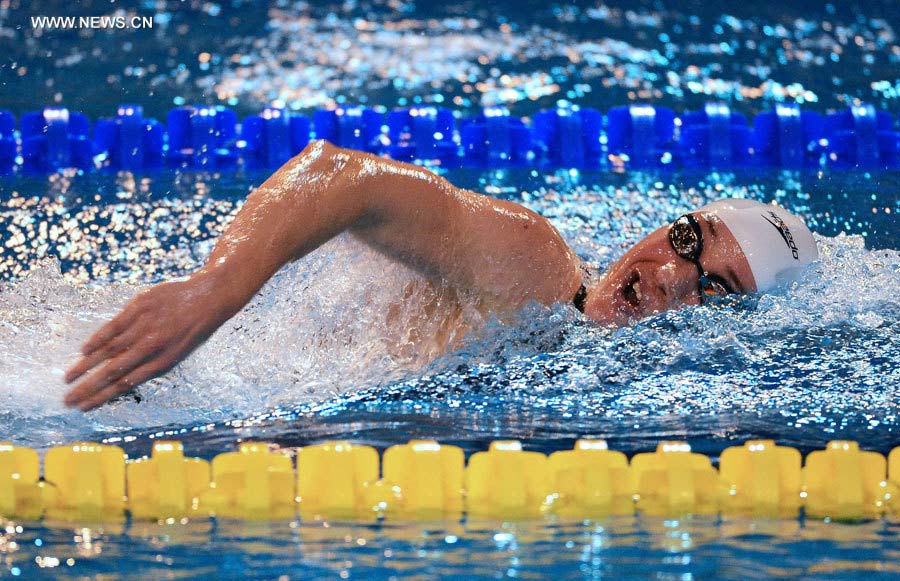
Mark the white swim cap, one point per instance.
(777, 244)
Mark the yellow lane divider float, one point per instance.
(427, 480)
(334, 480)
(88, 480)
(590, 480)
(761, 479)
(167, 483)
(506, 482)
(674, 480)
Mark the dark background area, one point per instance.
(95, 70)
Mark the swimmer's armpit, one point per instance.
(468, 240)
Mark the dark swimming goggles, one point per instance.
(686, 239)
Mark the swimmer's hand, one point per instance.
(496, 248)
(156, 330)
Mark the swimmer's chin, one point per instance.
(618, 319)
(609, 316)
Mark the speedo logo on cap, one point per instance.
(785, 232)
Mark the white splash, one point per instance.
(346, 318)
(331, 323)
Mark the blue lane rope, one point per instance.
(633, 137)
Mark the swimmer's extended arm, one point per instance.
(506, 253)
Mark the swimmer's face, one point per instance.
(652, 277)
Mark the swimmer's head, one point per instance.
(728, 246)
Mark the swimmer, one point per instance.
(502, 252)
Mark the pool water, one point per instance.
(629, 548)
(310, 360)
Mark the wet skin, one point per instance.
(504, 253)
(651, 278)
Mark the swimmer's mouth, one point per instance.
(632, 290)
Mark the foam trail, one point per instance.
(334, 322)
(337, 323)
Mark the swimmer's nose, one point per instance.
(678, 281)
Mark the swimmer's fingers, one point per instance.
(108, 350)
(152, 368)
(145, 372)
(115, 369)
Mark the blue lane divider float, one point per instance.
(55, 138)
(422, 133)
(130, 141)
(788, 137)
(353, 127)
(634, 137)
(202, 137)
(569, 137)
(641, 136)
(495, 139)
(7, 141)
(273, 137)
(862, 137)
(714, 137)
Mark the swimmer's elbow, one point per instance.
(376, 189)
(316, 146)
(318, 154)
(322, 162)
